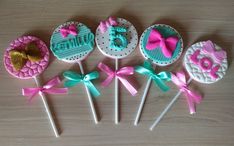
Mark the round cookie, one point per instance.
(29, 68)
(151, 48)
(206, 62)
(103, 37)
(72, 42)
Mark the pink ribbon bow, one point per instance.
(218, 55)
(192, 98)
(71, 29)
(47, 88)
(168, 45)
(105, 24)
(125, 71)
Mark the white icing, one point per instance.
(103, 40)
(199, 74)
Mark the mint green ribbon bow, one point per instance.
(74, 78)
(158, 79)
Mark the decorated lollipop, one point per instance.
(117, 38)
(161, 45)
(72, 42)
(26, 58)
(206, 63)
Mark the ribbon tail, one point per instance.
(127, 85)
(31, 97)
(93, 90)
(57, 91)
(190, 102)
(53, 82)
(110, 74)
(30, 93)
(107, 81)
(191, 105)
(196, 97)
(161, 85)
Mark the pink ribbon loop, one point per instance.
(167, 45)
(192, 98)
(71, 29)
(47, 88)
(218, 55)
(120, 74)
(104, 25)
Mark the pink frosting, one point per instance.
(30, 69)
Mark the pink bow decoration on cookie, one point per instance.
(192, 98)
(168, 45)
(103, 26)
(47, 88)
(218, 55)
(71, 29)
(125, 71)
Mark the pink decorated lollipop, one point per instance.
(26, 58)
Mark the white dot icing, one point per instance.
(103, 41)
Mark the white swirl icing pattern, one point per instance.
(199, 74)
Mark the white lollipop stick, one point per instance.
(47, 109)
(174, 99)
(143, 98)
(116, 94)
(89, 96)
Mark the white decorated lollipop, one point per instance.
(117, 38)
(206, 63)
(162, 45)
(72, 42)
(26, 58)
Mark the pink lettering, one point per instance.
(206, 63)
(194, 56)
(213, 71)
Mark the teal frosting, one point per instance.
(156, 55)
(71, 45)
(117, 40)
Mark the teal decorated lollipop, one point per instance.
(162, 45)
(72, 42)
